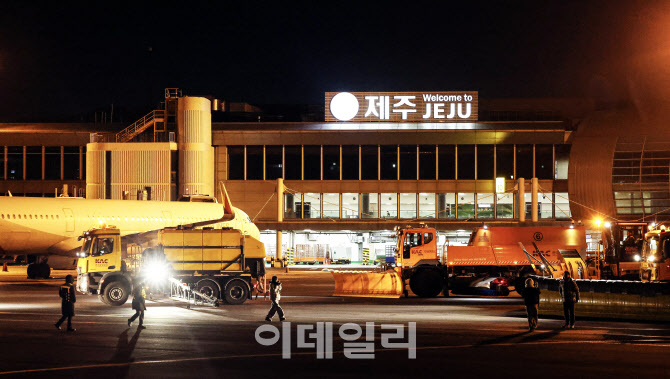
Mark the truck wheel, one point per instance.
(44, 270)
(32, 271)
(208, 287)
(426, 283)
(236, 292)
(502, 291)
(116, 293)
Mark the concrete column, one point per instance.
(535, 185)
(522, 200)
(280, 253)
(365, 205)
(280, 200)
(442, 205)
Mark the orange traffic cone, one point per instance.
(4, 267)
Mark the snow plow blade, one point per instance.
(367, 284)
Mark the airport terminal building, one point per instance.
(448, 159)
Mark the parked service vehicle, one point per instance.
(219, 263)
(495, 258)
(655, 257)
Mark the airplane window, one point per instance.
(14, 216)
(3, 216)
(19, 217)
(42, 217)
(31, 216)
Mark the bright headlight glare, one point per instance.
(637, 257)
(155, 271)
(651, 258)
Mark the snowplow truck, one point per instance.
(495, 258)
(219, 263)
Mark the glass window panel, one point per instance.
(48, 149)
(505, 205)
(254, 162)
(485, 162)
(369, 162)
(331, 205)
(562, 160)
(350, 162)
(427, 205)
(14, 163)
(2, 163)
(408, 162)
(447, 162)
(485, 207)
(52, 164)
(389, 205)
(524, 161)
(350, 205)
(235, 162)
(408, 205)
(427, 162)
(446, 205)
(71, 166)
(369, 205)
(505, 161)
(34, 163)
(71, 149)
(273, 162)
(466, 162)
(562, 205)
(389, 163)
(312, 163)
(466, 205)
(331, 163)
(311, 205)
(292, 162)
(292, 205)
(544, 157)
(545, 205)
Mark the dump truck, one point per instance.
(495, 258)
(217, 263)
(622, 244)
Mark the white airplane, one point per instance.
(51, 226)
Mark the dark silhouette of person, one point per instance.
(570, 296)
(531, 298)
(68, 298)
(275, 295)
(138, 305)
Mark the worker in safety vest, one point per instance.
(68, 298)
(275, 295)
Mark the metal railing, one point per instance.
(140, 125)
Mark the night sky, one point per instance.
(66, 60)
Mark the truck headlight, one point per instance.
(637, 257)
(155, 271)
(651, 258)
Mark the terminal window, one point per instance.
(466, 162)
(350, 162)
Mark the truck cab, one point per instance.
(655, 258)
(101, 269)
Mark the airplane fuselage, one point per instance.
(52, 225)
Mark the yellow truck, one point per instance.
(219, 263)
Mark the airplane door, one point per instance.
(168, 218)
(69, 220)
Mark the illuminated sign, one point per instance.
(402, 106)
(500, 185)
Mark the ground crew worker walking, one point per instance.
(275, 295)
(531, 297)
(570, 296)
(138, 305)
(67, 294)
